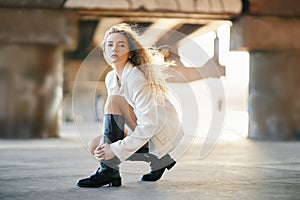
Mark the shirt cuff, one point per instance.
(119, 152)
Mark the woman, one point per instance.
(138, 97)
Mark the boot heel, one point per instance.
(171, 165)
(115, 182)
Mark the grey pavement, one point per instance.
(235, 169)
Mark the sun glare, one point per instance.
(195, 53)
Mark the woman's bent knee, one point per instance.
(114, 104)
(119, 106)
(93, 143)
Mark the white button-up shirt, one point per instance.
(157, 123)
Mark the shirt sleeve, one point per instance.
(147, 112)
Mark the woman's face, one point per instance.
(117, 48)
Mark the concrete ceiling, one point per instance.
(33, 3)
(160, 19)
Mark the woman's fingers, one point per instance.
(103, 152)
(99, 154)
(99, 157)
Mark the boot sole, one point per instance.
(115, 182)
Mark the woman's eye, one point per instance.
(109, 45)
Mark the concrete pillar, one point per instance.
(274, 95)
(32, 42)
(274, 47)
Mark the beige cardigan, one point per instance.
(157, 123)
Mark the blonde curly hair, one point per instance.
(140, 57)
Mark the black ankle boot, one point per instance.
(108, 173)
(158, 167)
(103, 176)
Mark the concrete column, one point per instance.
(274, 95)
(31, 90)
(31, 70)
(274, 47)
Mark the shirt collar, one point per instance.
(128, 67)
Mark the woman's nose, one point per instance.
(115, 48)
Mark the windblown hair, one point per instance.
(141, 58)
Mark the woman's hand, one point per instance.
(103, 152)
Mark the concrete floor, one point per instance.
(235, 169)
